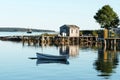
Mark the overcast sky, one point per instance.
(51, 14)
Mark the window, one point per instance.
(71, 31)
(76, 31)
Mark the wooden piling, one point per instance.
(112, 43)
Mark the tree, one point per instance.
(107, 18)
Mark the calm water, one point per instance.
(84, 63)
(23, 33)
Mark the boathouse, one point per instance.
(69, 31)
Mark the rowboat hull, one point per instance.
(50, 57)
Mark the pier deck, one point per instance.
(59, 39)
(51, 39)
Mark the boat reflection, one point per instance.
(47, 61)
(106, 62)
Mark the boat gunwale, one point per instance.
(47, 56)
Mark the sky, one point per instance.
(51, 14)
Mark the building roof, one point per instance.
(70, 26)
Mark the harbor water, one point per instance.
(84, 62)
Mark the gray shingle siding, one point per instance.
(69, 30)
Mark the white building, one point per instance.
(69, 30)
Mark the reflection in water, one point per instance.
(71, 50)
(106, 63)
(46, 61)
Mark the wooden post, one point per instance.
(42, 39)
(67, 39)
(105, 43)
(115, 41)
(105, 33)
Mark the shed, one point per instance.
(69, 30)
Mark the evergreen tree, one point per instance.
(107, 18)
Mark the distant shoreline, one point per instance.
(23, 30)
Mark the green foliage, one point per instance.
(107, 18)
(89, 32)
(95, 33)
(80, 33)
(46, 34)
(86, 32)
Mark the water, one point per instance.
(23, 33)
(85, 63)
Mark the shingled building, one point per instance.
(69, 31)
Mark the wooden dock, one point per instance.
(50, 40)
(38, 40)
(112, 43)
(59, 40)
